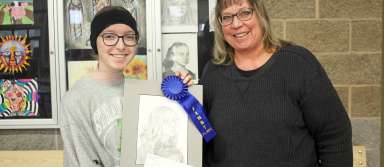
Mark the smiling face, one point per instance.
(242, 35)
(115, 58)
(180, 54)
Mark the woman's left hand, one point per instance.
(187, 79)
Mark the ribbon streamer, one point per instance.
(174, 89)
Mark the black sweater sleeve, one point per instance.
(326, 117)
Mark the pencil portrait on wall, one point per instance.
(179, 15)
(179, 54)
(79, 13)
(162, 129)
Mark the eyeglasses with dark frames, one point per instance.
(243, 14)
(111, 39)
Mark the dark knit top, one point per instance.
(287, 114)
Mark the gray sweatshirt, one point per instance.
(91, 124)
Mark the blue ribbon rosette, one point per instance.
(174, 89)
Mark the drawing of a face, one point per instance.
(13, 54)
(14, 97)
(180, 54)
(18, 97)
(177, 9)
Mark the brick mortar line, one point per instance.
(356, 86)
(350, 36)
(285, 30)
(328, 19)
(317, 9)
(350, 101)
(344, 53)
(365, 118)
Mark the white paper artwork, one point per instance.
(157, 161)
(179, 15)
(180, 54)
(162, 129)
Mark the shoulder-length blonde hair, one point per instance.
(223, 53)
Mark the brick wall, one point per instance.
(346, 37)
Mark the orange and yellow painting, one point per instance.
(14, 54)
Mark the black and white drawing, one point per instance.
(79, 14)
(179, 54)
(179, 15)
(162, 129)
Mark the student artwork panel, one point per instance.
(16, 12)
(161, 129)
(180, 54)
(77, 69)
(79, 14)
(137, 68)
(18, 97)
(14, 54)
(179, 15)
(138, 11)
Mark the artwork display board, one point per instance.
(28, 97)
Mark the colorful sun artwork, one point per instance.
(137, 68)
(14, 54)
(18, 98)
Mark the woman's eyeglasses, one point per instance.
(243, 15)
(111, 39)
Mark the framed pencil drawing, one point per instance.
(153, 124)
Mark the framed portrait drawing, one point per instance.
(180, 54)
(179, 16)
(155, 125)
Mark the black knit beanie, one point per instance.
(107, 16)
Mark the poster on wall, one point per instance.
(16, 12)
(19, 98)
(180, 54)
(137, 68)
(77, 69)
(79, 14)
(179, 16)
(14, 54)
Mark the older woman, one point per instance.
(270, 101)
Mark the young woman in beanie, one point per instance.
(91, 110)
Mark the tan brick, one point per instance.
(290, 8)
(366, 101)
(366, 35)
(352, 69)
(350, 8)
(343, 93)
(320, 35)
(278, 28)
